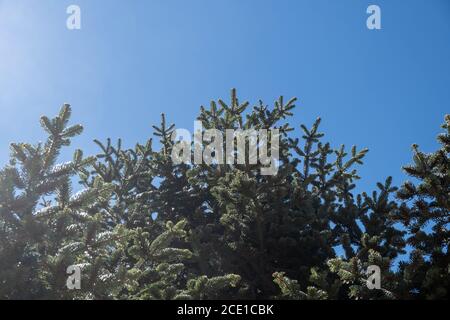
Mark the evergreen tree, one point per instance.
(425, 213)
(144, 226)
(37, 211)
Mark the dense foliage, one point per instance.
(144, 227)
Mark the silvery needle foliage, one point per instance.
(140, 226)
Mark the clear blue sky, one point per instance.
(134, 59)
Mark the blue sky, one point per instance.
(132, 60)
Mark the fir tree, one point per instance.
(145, 227)
(425, 213)
(37, 210)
